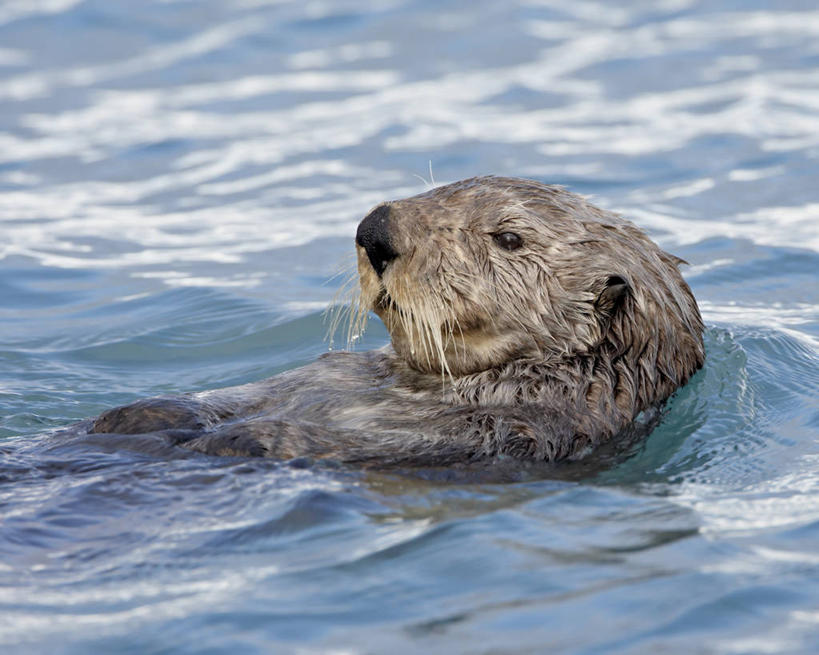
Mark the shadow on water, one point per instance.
(713, 402)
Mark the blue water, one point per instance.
(179, 181)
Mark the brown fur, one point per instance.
(540, 352)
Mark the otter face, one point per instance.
(471, 275)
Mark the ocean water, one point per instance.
(181, 180)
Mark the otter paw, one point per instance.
(233, 441)
(153, 415)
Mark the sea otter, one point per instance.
(525, 323)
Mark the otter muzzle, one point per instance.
(374, 236)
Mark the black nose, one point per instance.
(374, 236)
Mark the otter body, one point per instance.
(525, 322)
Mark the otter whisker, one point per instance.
(345, 302)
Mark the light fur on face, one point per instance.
(457, 303)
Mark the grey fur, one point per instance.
(542, 352)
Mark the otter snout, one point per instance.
(374, 236)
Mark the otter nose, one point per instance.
(374, 236)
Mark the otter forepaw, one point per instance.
(153, 415)
(234, 441)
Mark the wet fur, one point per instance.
(541, 353)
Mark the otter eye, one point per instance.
(508, 240)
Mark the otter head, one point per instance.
(472, 275)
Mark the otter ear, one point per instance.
(612, 294)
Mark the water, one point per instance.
(178, 182)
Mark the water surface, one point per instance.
(179, 181)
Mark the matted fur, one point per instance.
(542, 352)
